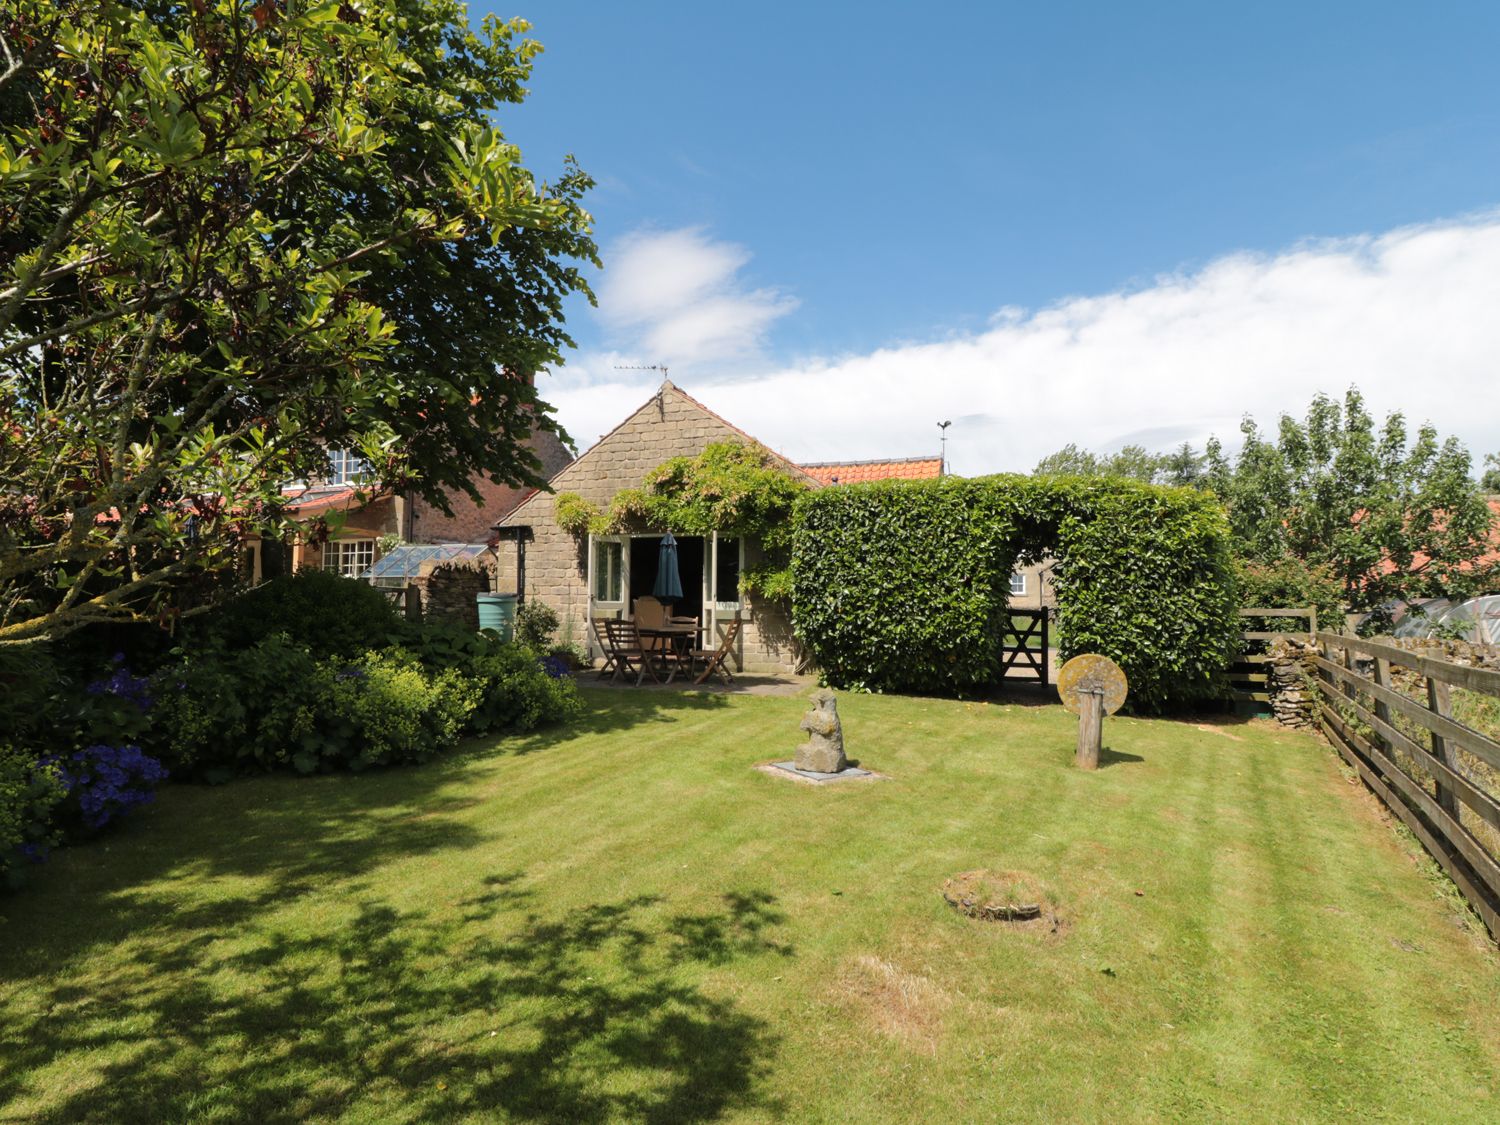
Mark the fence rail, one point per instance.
(1439, 776)
(1249, 680)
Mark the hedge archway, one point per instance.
(901, 585)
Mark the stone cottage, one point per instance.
(589, 576)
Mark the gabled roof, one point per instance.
(854, 472)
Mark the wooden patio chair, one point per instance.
(602, 638)
(626, 651)
(651, 614)
(713, 658)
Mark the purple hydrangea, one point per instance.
(556, 666)
(108, 781)
(124, 684)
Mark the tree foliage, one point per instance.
(903, 586)
(1390, 516)
(232, 234)
(1183, 466)
(1490, 480)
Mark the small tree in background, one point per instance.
(1388, 516)
(231, 234)
(1490, 481)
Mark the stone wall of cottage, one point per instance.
(670, 425)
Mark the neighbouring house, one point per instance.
(1031, 586)
(362, 517)
(589, 576)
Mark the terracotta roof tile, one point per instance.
(856, 472)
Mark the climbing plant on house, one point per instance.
(732, 488)
(901, 586)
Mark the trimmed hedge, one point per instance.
(903, 586)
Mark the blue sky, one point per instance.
(791, 196)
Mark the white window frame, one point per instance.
(1018, 584)
(348, 558)
(345, 466)
(617, 581)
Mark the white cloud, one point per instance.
(1411, 316)
(676, 296)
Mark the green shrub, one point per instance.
(276, 705)
(325, 613)
(535, 624)
(383, 709)
(29, 794)
(1292, 583)
(902, 586)
(517, 694)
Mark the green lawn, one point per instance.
(627, 921)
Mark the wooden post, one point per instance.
(1046, 651)
(1090, 729)
(1382, 709)
(1437, 701)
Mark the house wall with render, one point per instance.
(670, 424)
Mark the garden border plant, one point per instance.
(902, 585)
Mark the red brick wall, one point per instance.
(471, 522)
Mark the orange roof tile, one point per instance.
(855, 472)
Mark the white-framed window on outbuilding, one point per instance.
(1018, 585)
(608, 571)
(349, 557)
(345, 466)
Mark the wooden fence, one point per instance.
(1249, 677)
(1441, 777)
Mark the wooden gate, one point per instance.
(1023, 645)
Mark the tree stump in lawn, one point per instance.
(995, 896)
(1091, 686)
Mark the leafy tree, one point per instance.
(233, 233)
(1490, 481)
(1391, 517)
(1183, 466)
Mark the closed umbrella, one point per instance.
(668, 581)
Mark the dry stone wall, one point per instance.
(447, 590)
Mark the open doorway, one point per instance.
(645, 554)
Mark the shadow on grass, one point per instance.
(605, 711)
(1109, 757)
(483, 1007)
(228, 955)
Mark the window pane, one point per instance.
(607, 571)
(616, 569)
(727, 571)
(346, 467)
(1018, 584)
(349, 557)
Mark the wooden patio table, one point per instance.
(679, 638)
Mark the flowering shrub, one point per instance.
(105, 782)
(114, 709)
(29, 791)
